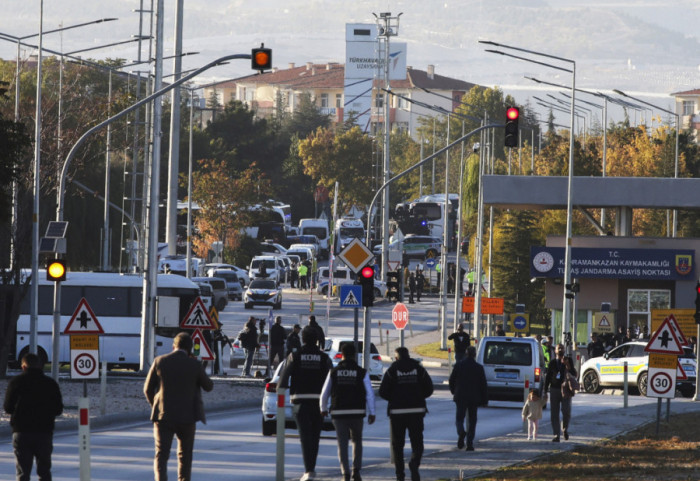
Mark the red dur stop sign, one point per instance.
(399, 315)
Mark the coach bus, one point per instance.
(116, 301)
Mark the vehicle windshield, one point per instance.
(319, 232)
(259, 284)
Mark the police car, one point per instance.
(608, 370)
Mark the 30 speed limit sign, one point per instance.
(84, 357)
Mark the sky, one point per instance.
(646, 48)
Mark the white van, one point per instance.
(507, 362)
(319, 228)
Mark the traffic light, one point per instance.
(367, 283)
(56, 270)
(512, 115)
(261, 58)
(572, 290)
(393, 286)
(697, 303)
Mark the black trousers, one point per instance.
(308, 417)
(400, 423)
(28, 446)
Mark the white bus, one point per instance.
(116, 301)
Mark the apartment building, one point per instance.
(423, 93)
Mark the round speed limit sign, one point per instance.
(83, 365)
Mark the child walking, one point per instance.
(532, 411)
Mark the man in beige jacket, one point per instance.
(173, 390)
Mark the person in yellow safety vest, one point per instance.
(303, 270)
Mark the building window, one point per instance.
(339, 100)
(688, 107)
(324, 100)
(640, 302)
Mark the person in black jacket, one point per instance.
(406, 385)
(557, 372)
(276, 345)
(349, 391)
(461, 340)
(304, 373)
(33, 401)
(469, 389)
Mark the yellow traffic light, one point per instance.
(56, 270)
(261, 58)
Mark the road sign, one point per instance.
(200, 348)
(399, 315)
(355, 255)
(665, 340)
(86, 320)
(83, 364)
(489, 305)
(198, 317)
(350, 295)
(430, 262)
(520, 322)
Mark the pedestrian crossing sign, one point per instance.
(351, 296)
(198, 317)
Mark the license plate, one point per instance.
(506, 375)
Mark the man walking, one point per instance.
(172, 388)
(557, 372)
(276, 342)
(461, 340)
(349, 391)
(406, 385)
(33, 401)
(469, 390)
(304, 374)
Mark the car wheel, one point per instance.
(591, 382)
(642, 383)
(269, 428)
(221, 305)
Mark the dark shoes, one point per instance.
(566, 434)
(460, 441)
(556, 439)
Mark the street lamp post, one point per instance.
(675, 167)
(566, 304)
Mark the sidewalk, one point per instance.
(498, 452)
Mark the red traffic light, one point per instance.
(367, 272)
(512, 113)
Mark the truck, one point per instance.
(319, 228)
(345, 231)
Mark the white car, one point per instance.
(261, 292)
(608, 370)
(376, 366)
(269, 408)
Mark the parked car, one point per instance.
(508, 362)
(334, 348)
(218, 287)
(235, 291)
(608, 370)
(420, 246)
(269, 407)
(242, 273)
(262, 292)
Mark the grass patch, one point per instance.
(431, 350)
(639, 455)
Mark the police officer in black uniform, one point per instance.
(349, 390)
(304, 374)
(406, 385)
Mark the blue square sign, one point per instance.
(350, 296)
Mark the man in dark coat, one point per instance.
(173, 389)
(468, 386)
(33, 401)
